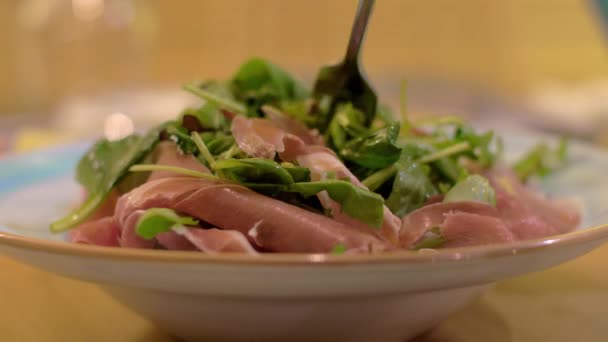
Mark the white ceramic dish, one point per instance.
(389, 297)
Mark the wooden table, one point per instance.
(567, 303)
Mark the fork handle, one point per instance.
(357, 34)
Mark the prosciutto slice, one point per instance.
(100, 232)
(527, 213)
(293, 126)
(209, 241)
(321, 161)
(462, 229)
(216, 240)
(418, 222)
(169, 154)
(271, 224)
(257, 137)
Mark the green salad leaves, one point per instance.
(102, 168)
(402, 164)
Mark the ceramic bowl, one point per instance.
(313, 297)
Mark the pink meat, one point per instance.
(173, 241)
(462, 229)
(292, 126)
(527, 213)
(321, 161)
(169, 154)
(418, 222)
(101, 232)
(216, 240)
(257, 137)
(128, 236)
(271, 224)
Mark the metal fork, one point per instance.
(345, 82)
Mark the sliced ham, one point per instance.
(461, 229)
(128, 236)
(100, 232)
(173, 241)
(257, 137)
(418, 222)
(292, 126)
(279, 227)
(262, 138)
(216, 240)
(168, 153)
(529, 214)
(321, 161)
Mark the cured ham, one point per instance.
(167, 153)
(257, 137)
(101, 232)
(270, 224)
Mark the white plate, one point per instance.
(389, 297)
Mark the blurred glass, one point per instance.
(76, 62)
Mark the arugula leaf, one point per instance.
(217, 142)
(541, 160)
(474, 188)
(356, 202)
(411, 187)
(431, 239)
(158, 220)
(347, 122)
(102, 167)
(338, 249)
(208, 117)
(298, 173)
(374, 151)
(217, 98)
(179, 135)
(259, 82)
(254, 170)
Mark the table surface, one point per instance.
(566, 303)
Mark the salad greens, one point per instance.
(102, 168)
(473, 188)
(541, 160)
(158, 220)
(402, 163)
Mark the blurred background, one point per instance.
(69, 67)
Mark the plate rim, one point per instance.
(450, 255)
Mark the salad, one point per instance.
(264, 166)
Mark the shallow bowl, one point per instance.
(313, 297)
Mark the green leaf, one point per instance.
(158, 220)
(411, 187)
(217, 142)
(102, 168)
(347, 123)
(431, 239)
(430, 243)
(254, 170)
(259, 82)
(219, 99)
(208, 116)
(338, 249)
(180, 136)
(474, 188)
(90, 171)
(541, 160)
(356, 202)
(374, 151)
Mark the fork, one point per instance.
(344, 82)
